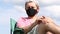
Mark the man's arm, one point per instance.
(51, 26)
(28, 28)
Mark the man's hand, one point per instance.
(44, 20)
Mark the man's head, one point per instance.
(31, 8)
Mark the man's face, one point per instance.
(31, 9)
(31, 5)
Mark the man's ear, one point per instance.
(37, 9)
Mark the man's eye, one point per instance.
(32, 7)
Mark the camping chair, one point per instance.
(14, 29)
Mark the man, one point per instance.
(27, 23)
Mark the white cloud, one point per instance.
(49, 1)
(6, 1)
(54, 9)
(19, 8)
(17, 1)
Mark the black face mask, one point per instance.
(31, 12)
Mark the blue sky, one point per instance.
(15, 9)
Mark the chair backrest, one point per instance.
(15, 29)
(12, 24)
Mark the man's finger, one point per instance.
(43, 17)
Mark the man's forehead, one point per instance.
(31, 4)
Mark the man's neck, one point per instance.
(34, 17)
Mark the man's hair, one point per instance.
(30, 2)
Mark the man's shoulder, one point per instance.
(22, 18)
